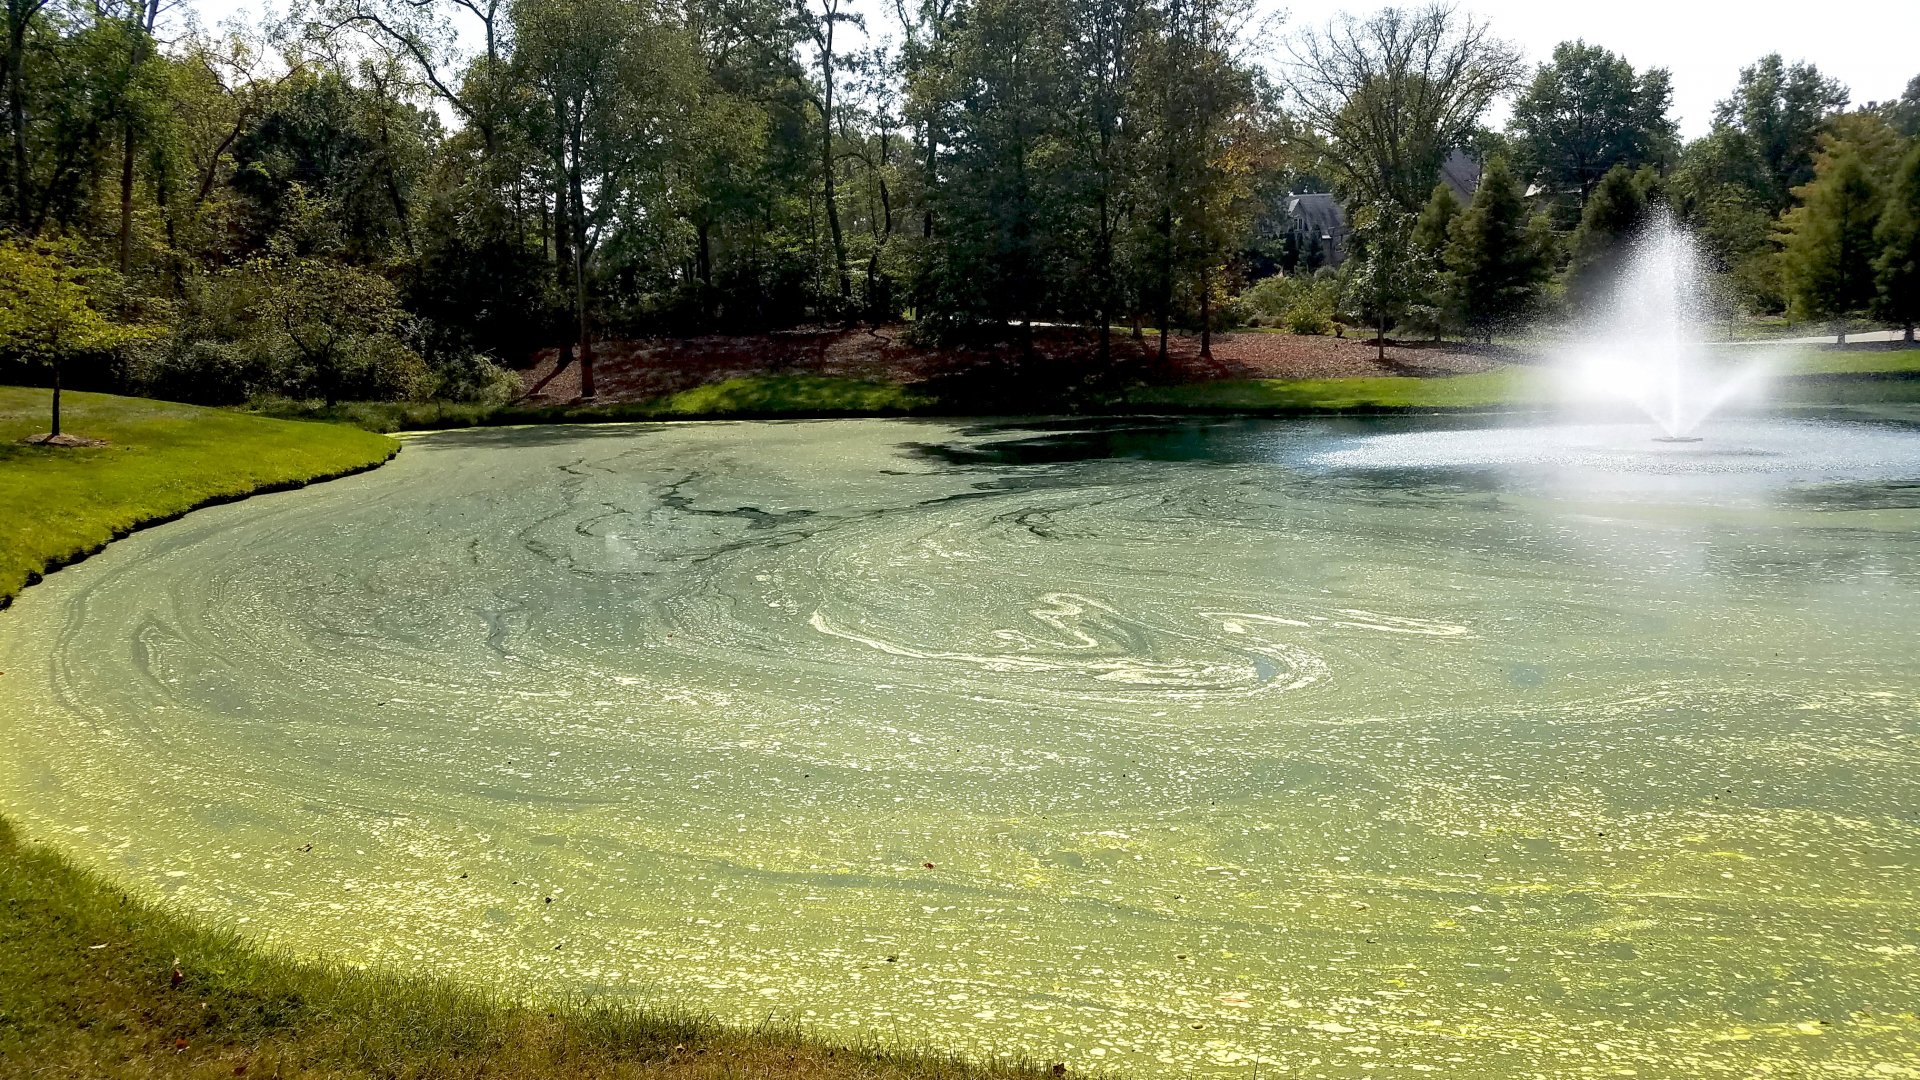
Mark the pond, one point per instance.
(1167, 747)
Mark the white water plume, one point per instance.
(1646, 343)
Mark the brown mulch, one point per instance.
(636, 370)
(62, 439)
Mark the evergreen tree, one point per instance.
(1897, 269)
(1430, 229)
(1495, 264)
(1428, 310)
(1617, 210)
(1829, 249)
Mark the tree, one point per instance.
(48, 314)
(1430, 229)
(1586, 112)
(614, 79)
(1495, 264)
(1903, 113)
(1897, 268)
(1384, 275)
(335, 324)
(1829, 247)
(1429, 310)
(1385, 99)
(1618, 209)
(1773, 121)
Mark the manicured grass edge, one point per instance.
(60, 561)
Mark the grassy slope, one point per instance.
(86, 972)
(755, 397)
(59, 503)
(1806, 376)
(86, 990)
(1507, 386)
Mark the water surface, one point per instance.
(1332, 749)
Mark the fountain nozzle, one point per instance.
(1676, 438)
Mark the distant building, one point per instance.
(1313, 228)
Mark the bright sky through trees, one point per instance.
(1865, 43)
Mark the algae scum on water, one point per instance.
(1198, 749)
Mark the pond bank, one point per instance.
(96, 982)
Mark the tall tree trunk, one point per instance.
(826, 162)
(586, 340)
(577, 196)
(1166, 277)
(126, 198)
(1206, 317)
(1103, 299)
(56, 398)
(17, 110)
(562, 220)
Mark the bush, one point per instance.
(1302, 304)
(476, 378)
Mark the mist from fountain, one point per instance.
(1646, 346)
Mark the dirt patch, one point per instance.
(1053, 359)
(62, 439)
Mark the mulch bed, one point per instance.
(1057, 357)
(62, 439)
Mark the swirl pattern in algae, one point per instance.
(1156, 762)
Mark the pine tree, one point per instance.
(1897, 269)
(1495, 263)
(1430, 228)
(1430, 310)
(1829, 251)
(1616, 210)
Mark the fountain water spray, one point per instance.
(1645, 345)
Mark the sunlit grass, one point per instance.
(160, 459)
(1506, 386)
(88, 989)
(751, 397)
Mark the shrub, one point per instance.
(1302, 304)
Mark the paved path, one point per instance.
(1824, 339)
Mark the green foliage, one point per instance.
(1829, 247)
(1299, 304)
(1903, 115)
(49, 311)
(1429, 310)
(1385, 277)
(1432, 229)
(1495, 261)
(1770, 128)
(1587, 112)
(1617, 210)
(1897, 266)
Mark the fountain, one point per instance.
(1643, 346)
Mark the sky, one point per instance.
(1871, 46)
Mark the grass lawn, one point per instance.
(1802, 376)
(97, 983)
(57, 503)
(1492, 389)
(753, 397)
